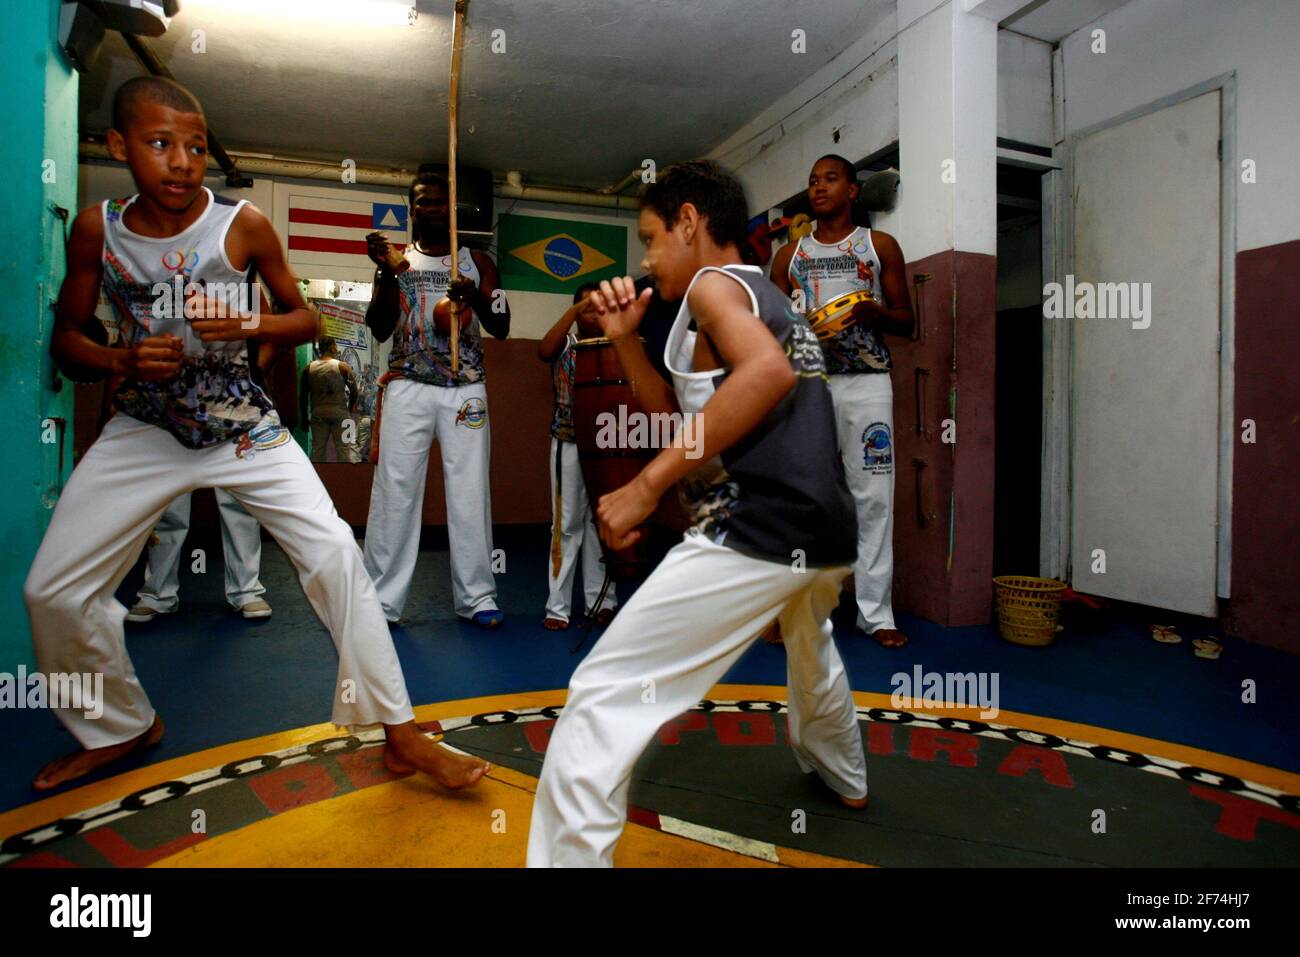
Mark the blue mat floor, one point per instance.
(217, 678)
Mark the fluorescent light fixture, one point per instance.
(368, 12)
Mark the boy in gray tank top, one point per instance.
(175, 261)
(774, 530)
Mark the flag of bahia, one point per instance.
(558, 255)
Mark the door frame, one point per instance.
(1058, 344)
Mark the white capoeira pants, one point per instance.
(577, 529)
(864, 411)
(674, 639)
(414, 415)
(111, 503)
(241, 544)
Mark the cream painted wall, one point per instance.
(1155, 48)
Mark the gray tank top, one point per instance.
(213, 399)
(781, 487)
(328, 388)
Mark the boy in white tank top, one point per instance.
(839, 257)
(189, 416)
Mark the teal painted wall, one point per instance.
(302, 356)
(38, 123)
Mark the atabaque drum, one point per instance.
(600, 386)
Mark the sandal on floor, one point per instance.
(1165, 634)
(1207, 647)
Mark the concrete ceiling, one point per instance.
(1054, 20)
(582, 94)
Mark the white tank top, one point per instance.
(420, 351)
(213, 399)
(826, 270)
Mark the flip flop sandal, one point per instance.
(1165, 634)
(1208, 647)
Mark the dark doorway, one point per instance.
(1018, 407)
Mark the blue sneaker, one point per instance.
(488, 619)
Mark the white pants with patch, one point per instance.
(864, 422)
(241, 546)
(674, 639)
(414, 415)
(577, 530)
(117, 494)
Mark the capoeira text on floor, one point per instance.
(75, 691)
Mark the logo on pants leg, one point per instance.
(472, 414)
(877, 449)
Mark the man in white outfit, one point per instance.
(424, 401)
(241, 548)
(837, 258)
(573, 526)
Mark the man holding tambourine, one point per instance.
(854, 291)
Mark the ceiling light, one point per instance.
(368, 12)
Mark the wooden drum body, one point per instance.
(599, 385)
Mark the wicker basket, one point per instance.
(1028, 608)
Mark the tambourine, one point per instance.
(837, 315)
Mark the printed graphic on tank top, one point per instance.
(562, 388)
(213, 398)
(420, 351)
(826, 270)
(779, 493)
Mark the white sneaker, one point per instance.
(144, 613)
(255, 609)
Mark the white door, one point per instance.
(1145, 402)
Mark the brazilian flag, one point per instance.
(558, 255)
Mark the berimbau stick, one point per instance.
(453, 97)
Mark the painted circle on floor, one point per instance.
(945, 791)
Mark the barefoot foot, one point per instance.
(889, 638)
(80, 763)
(408, 750)
(554, 624)
(856, 803)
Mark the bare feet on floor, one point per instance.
(80, 763)
(554, 624)
(856, 803)
(890, 637)
(408, 750)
